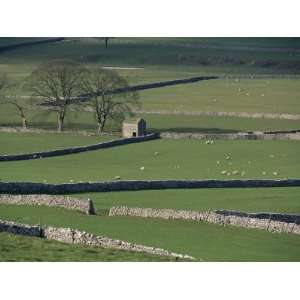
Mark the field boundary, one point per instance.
(79, 149)
(24, 44)
(19, 129)
(75, 236)
(271, 222)
(83, 205)
(279, 135)
(136, 185)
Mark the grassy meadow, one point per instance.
(256, 75)
(279, 200)
(16, 143)
(14, 248)
(206, 242)
(176, 159)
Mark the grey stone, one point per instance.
(85, 206)
(270, 222)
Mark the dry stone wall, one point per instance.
(74, 150)
(74, 236)
(133, 185)
(10, 129)
(22, 229)
(273, 222)
(233, 136)
(85, 206)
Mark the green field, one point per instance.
(206, 242)
(20, 248)
(220, 54)
(262, 78)
(256, 75)
(237, 95)
(282, 200)
(177, 159)
(212, 124)
(15, 143)
(155, 122)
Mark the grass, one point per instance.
(237, 95)
(201, 124)
(14, 143)
(31, 249)
(176, 159)
(155, 122)
(263, 78)
(281, 200)
(222, 54)
(13, 41)
(207, 242)
(165, 59)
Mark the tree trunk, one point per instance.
(100, 128)
(24, 121)
(60, 124)
(103, 123)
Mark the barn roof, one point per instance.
(133, 121)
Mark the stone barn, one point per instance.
(134, 127)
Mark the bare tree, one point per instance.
(8, 96)
(56, 81)
(99, 84)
